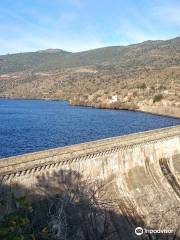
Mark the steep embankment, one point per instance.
(143, 76)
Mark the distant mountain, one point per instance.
(51, 50)
(89, 77)
(143, 54)
(30, 60)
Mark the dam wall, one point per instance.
(141, 172)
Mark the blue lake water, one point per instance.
(32, 125)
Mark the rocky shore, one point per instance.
(162, 107)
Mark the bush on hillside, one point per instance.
(157, 98)
(141, 85)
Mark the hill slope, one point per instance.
(135, 74)
(146, 53)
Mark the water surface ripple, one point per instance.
(32, 125)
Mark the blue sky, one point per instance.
(77, 25)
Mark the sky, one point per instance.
(78, 25)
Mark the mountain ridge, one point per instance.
(110, 46)
(45, 60)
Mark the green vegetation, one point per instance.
(157, 98)
(79, 210)
(28, 61)
(17, 224)
(141, 85)
(108, 58)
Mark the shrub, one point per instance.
(18, 224)
(157, 98)
(142, 86)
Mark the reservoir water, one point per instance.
(33, 125)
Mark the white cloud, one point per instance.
(169, 12)
(134, 33)
(34, 43)
(29, 29)
(20, 34)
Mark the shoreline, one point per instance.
(123, 109)
(176, 116)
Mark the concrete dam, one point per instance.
(139, 173)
